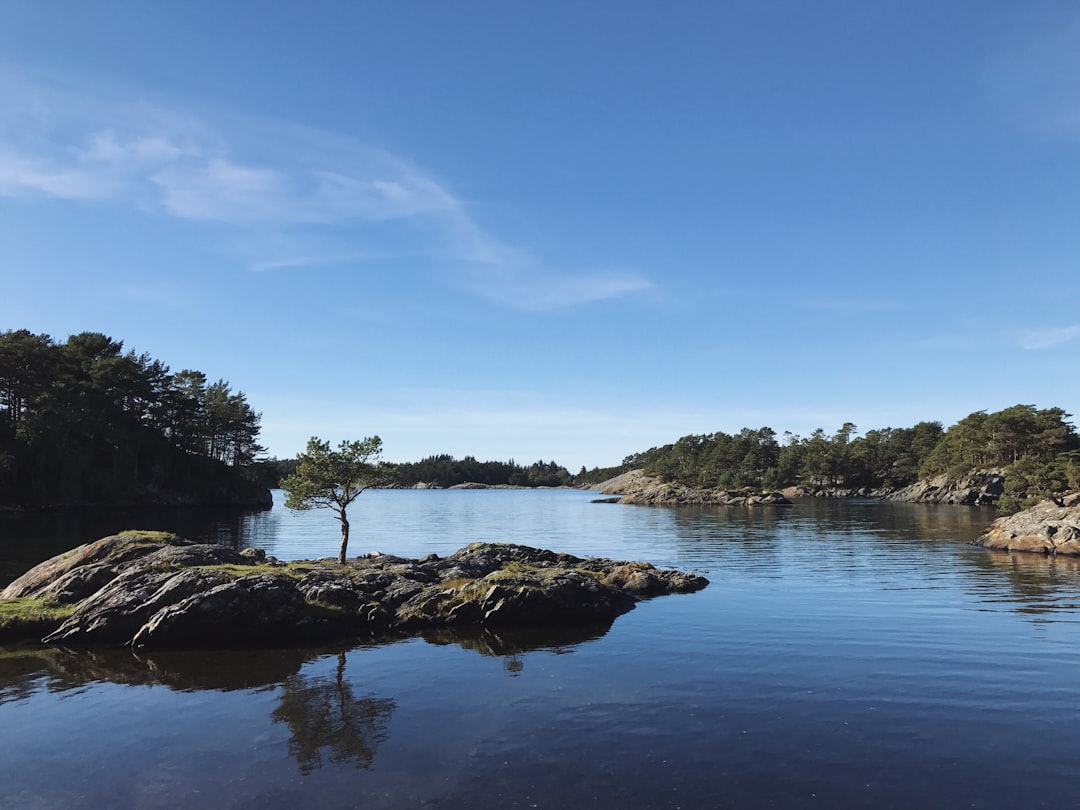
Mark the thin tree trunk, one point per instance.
(344, 537)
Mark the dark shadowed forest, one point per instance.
(85, 423)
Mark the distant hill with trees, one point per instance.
(85, 423)
(447, 471)
(1037, 449)
(442, 471)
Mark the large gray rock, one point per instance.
(170, 593)
(74, 575)
(1047, 528)
(114, 614)
(528, 596)
(108, 552)
(635, 487)
(253, 610)
(979, 488)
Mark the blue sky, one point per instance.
(561, 230)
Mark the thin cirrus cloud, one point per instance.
(262, 178)
(1039, 339)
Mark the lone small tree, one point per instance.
(333, 479)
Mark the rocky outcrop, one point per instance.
(158, 591)
(805, 491)
(979, 488)
(1047, 528)
(637, 488)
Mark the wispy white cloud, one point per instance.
(265, 177)
(288, 262)
(519, 287)
(508, 275)
(20, 174)
(1038, 339)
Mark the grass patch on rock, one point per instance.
(146, 534)
(27, 618)
(33, 610)
(295, 570)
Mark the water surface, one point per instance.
(846, 654)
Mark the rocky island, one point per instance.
(156, 591)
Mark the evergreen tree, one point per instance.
(333, 479)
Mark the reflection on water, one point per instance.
(323, 715)
(502, 642)
(59, 670)
(1040, 583)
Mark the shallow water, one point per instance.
(846, 654)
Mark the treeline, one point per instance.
(1038, 449)
(84, 422)
(446, 471)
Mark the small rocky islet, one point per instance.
(152, 590)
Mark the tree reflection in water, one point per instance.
(323, 715)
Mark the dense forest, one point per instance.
(1038, 450)
(446, 471)
(442, 471)
(85, 423)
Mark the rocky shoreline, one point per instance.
(981, 488)
(154, 591)
(635, 487)
(1049, 527)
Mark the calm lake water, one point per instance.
(847, 654)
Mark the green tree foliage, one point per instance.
(599, 474)
(86, 422)
(1038, 449)
(712, 460)
(981, 440)
(446, 471)
(333, 479)
(271, 471)
(1028, 480)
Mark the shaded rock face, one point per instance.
(635, 487)
(252, 610)
(975, 489)
(1047, 528)
(172, 594)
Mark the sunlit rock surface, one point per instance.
(635, 487)
(1047, 527)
